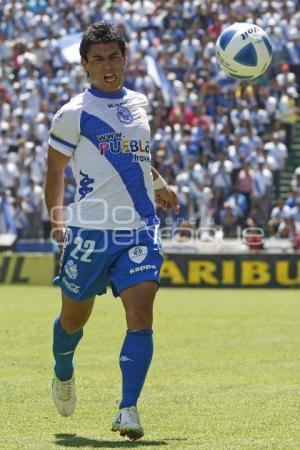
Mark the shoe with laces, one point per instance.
(63, 393)
(127, 422)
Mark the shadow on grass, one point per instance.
(72, 440)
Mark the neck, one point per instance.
(115, 94)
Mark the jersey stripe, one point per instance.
(130, 173)
(62, 141)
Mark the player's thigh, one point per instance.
(138, 304)
(74, 314)
(138, 262)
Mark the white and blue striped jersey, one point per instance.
(107, 137)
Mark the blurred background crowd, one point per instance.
(222, 144)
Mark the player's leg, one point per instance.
(136, 354)
(83, 274)
(135, 278)
(137, 350)
(67, 332)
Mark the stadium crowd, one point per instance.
(222, 144)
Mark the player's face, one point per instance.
(106, 66)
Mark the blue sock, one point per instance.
(135, 359)
(64, 346)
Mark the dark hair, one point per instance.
(101, 33)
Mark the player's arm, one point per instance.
(54, 191)
(164, 195)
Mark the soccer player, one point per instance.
(110, 233)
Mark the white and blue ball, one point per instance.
(244, 51)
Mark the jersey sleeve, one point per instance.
(145, 103)
(64, 132)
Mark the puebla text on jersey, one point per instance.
(107, 137)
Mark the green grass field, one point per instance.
(225, 374)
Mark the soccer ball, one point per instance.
(244, 51)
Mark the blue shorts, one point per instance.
(91, 259)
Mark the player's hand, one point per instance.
(167, 199)
(58, 236)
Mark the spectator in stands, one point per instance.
(245, 180)
(286, 78)
(185, 232)
(261, 190)
(9, 173)
(203, 198)
(254, 219)
(33, 197)
(296, 214)
(229, 219)
(291, 201)
(195, 111)
(278, 213)
(293, 52)
(295, 182)
(181, 113)
(46, 223)
(288, 113)
(241, 202)
(221, 171)
(287, 227)
(7, 223)
(19, 216)
(278, 152)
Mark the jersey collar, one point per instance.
(101, 94)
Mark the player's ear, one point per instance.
(125, 58)
(84, 64)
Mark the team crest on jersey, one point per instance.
(68, 237)
(58, 115)
(124, 115)
(71, 269)
(138, 254)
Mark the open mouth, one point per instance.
(110, 78)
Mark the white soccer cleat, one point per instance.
(127, 422)
(63, 393)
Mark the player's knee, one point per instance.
(140, 318)
(71, 325)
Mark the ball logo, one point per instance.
(138, 254)
(71, 269)
(124, 115)
(244, 51)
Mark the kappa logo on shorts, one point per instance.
(142, 268)
(71, 286)
(71, 269)
(138, 254)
